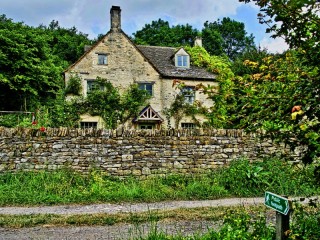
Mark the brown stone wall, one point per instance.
(128, 152)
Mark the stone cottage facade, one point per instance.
(116, 58)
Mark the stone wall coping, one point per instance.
(120, 132)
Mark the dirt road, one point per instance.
(117, 231)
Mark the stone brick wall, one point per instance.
(128, 152)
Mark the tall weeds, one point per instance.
(241, 178)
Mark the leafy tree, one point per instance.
(159, 33)
(252, 54)
(226, 37)
(290, 84)
(28, 73)
(66, 43)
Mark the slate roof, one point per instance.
(162, 59)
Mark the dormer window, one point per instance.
(182, 59)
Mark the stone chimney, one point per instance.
(115, 14)
(198, 42)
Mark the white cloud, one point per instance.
(274, 45)
(93, 18)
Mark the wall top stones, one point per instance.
(120, 132)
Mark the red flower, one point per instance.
(42, 129)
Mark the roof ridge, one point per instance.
(157, 46)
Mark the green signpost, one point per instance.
(282, 206)
(277, 202)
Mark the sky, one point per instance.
(93, 16)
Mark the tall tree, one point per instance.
(66, 43)
(296, 76)
(226, 37)
(159, 33)
(28, 74)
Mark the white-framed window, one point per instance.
(146, 86)
(182, 61)
(188, 126)
(102, 59)
(88, 124)
(189, 94)
(93, 85)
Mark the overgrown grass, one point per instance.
(241, 178)
(244, 224)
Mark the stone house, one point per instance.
(116, 58)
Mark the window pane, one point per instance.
(189, 94)
(182, 61)
(102, 59)
(146, 86)
(93, 85)
(88, 124)
(188, 125)
(146, 126)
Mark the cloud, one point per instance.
(93, 17)
(274, 45)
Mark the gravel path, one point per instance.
(117, 231)
(128, 207)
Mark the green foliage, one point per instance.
(103, 101)
(266, 100)
(179, 108)
(27, 68)
(74, 85)
(218, 114)
(132, 100)
(31, 62)
(306, 221)
(66, 43)
(298, 22)
(226, 37)
(159, 33)
(12, 120)
(257, 177)
(107, 102)
(240, 179)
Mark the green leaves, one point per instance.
(159, 33)
(226, 37)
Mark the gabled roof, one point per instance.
(162, 59)
(148, 114)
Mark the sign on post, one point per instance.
(277, 202)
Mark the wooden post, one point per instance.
(282, 225)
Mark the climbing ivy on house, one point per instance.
(74, 86)
(219, 114)
(110, 104)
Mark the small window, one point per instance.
(146, 86)
(182, 61)
(93, 85)
(146, 126)
(189, 94)
(102, 59)
(188, 126)
(88, 124)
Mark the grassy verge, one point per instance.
(241, 178)
(209, 214)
